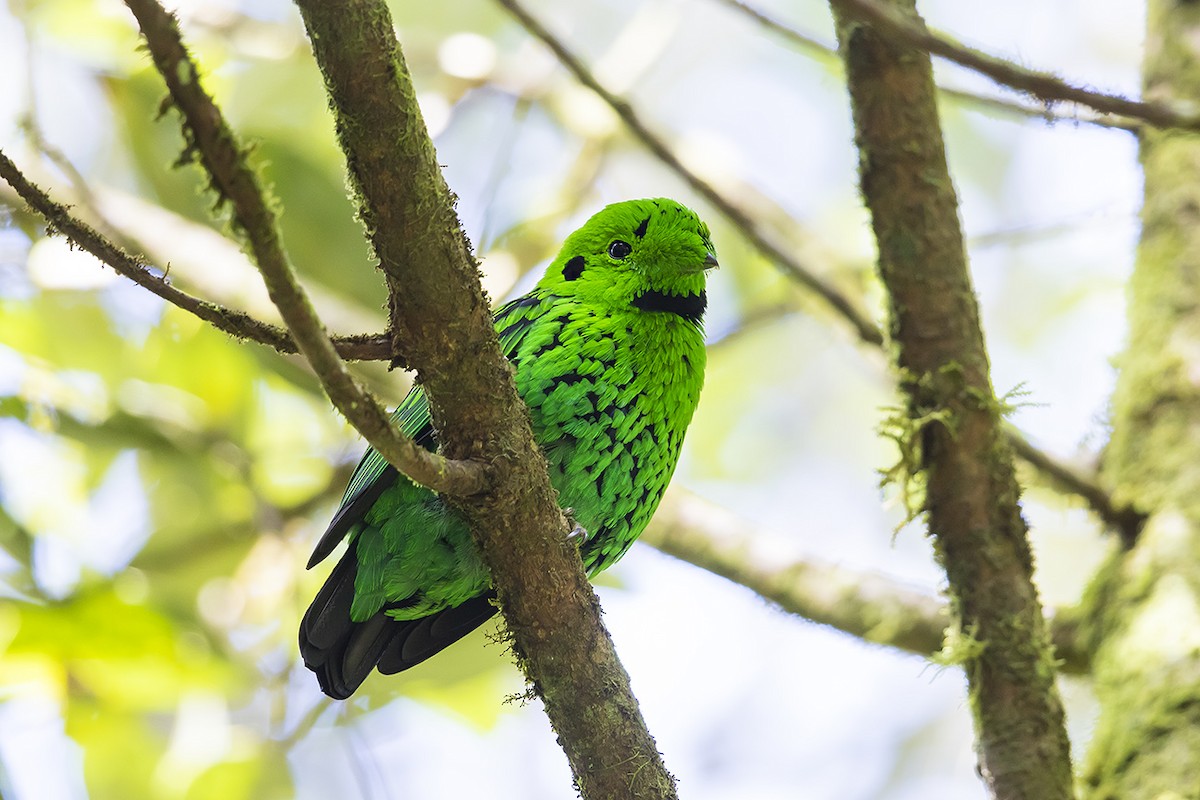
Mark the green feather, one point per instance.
(609, 357)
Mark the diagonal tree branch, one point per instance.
(865, 605)
(237, 323)
(443, 324)
(1043, 86)
(1044, 112)
(210, 140)
(868, 606)
(1120, 518)
(1125, 520)
(764, 241)
(954, 420)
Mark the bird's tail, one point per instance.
(342, 652)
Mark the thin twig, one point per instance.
(1043, 86)
(1120, 518)
(825, 53)
(777, 252)
(1125, 521)
(828, 56)
(237, 323)
(1083, 116)
(210, 140)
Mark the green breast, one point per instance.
(611, 397)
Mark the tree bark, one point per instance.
(442, 327)
(952, 431)
(1145, 625)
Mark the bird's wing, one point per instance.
(373, 473)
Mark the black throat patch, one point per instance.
(689, 306)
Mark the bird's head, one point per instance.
(651, 255)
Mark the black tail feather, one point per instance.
(418, 639)
(324, 624)
(347, 668)
(342, 652)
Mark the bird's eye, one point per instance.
(619, 249)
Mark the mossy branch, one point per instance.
(971, 492)
(210, 140)
(1045, 111)
(1145, 604)
(1059, 475)
(59, 219)
(865, 605)
(442, 322)
(1045, 87)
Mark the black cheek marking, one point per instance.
(573, 268)
(689, 306)
(641, 229)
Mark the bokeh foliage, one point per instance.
(161, 484)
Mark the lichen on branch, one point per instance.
(60, 220)
(971, 492)
(210, 139)
(442, 327)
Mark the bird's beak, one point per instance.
(710, 261)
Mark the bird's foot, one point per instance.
(578, 534)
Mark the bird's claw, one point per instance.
(578, 534)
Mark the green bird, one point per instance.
(609, 356)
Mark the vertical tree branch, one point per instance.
(1061, 476)
(442, 326)
(213, 144)
(1146, 623)
(954, 418)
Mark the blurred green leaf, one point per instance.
(262, 775)
(128, 657)
(120, 750)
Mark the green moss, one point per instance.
(1156, 406)
(1146, 741)
(907, 474)
(936, 394)
(184, 72)
(960, 648)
